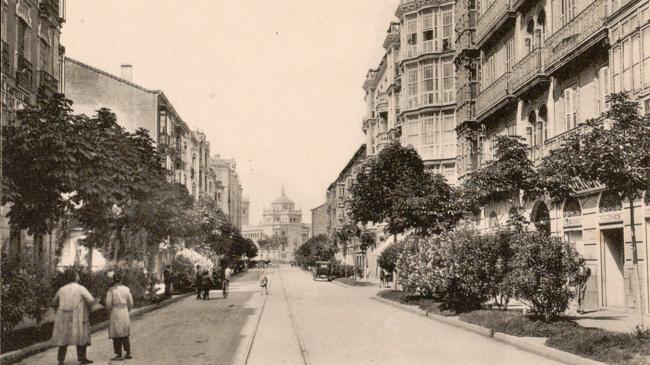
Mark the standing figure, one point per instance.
(264, 283)
(226, 280)
(71, 325)
(382, 277)
(583, 277)
(167, 278)
(198, 282)
(206, 284)
(119, 303)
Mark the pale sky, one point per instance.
(275, 84)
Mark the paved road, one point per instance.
(187, 332)
(324, 323)
(299, 322)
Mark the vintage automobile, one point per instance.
(323, 270)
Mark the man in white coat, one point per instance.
(71, 325)
(119, 302)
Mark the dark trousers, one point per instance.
(168, 288)
(119, 343)
(199, 291)
(81, 353)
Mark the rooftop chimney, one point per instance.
(127, 72)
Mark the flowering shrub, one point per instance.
(182, 274)
(544, 273)
(25, 292)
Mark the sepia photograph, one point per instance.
(325, 182)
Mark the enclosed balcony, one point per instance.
(382, 102)
(24, 73)
(586, 29)
(494, 96)
(497, 15)
(6, 59)
(528, 73)
(382, 140)
(47, 82)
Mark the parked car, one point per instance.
(323, 270)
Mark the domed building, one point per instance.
(281, 220)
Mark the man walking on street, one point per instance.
(198, 282)
(167, 278)
(71, 325)
(119, 302)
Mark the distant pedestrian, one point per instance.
(71, 325)
(198, 282)
(206, 284)
(382, 277)
(583, 277)
(119, 302)
(264, 283)
(167, 278)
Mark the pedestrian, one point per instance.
(583, 276)
(119, 302)
(382, 277)
(206, 284)
(198, 281)
(167, 278)
(264, 283)
(71, 325)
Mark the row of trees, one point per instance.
(63, 170)
(613, 152)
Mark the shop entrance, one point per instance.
(613, 260)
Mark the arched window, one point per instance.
(541, 218)
(572, 208)
(541, 27)
(532, 136)
(542, 122)
(609, 202)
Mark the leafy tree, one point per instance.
(318, 248)
(395, 188)
(388, 258)
(614, 153)
(504, 178)
(41, 156)
(250, 249)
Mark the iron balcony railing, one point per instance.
(493, 94)
(526, 69)
(582, 27)
(48, 82)
(488, 20)
(24, 72)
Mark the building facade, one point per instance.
(320, 223)
(538, 69)
(411, 95)
(31, 62)
(282, 219)
(228, 195)
(245, 212)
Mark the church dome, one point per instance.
(282, 199)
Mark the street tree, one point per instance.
(509, 177)
(41, 157)
(614, 152)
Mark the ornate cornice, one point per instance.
(409, 6)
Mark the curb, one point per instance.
(341, 284)
(14, 356)
(518, 342)
(542, 350)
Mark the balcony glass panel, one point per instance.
(584, 25)
(492, 94)
(529, 67)
(491, 16)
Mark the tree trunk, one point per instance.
(89, 256)
(635, 262)
(395, 274)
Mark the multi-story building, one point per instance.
(319, 220)
(31, 62)
(411, 96)
(337, 196)
(245, 212)
(281, 220)
(543, 68)
(228, 195)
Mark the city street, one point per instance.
(303, 322)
